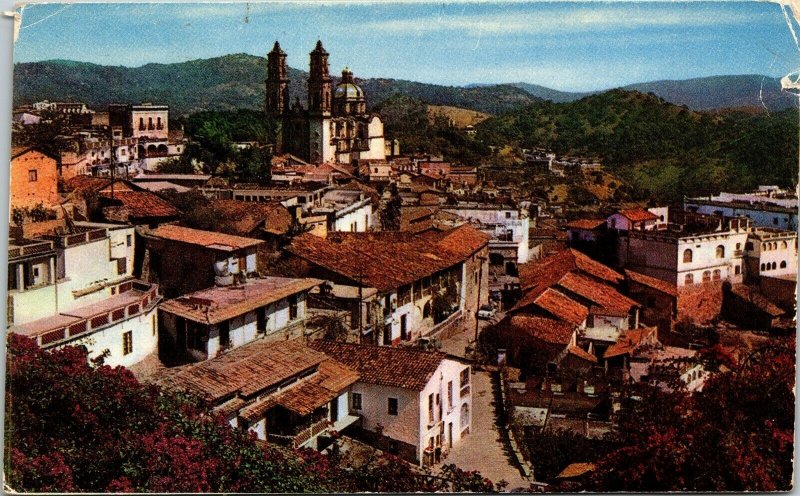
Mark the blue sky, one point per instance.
(567, 46)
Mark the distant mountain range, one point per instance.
(237, 81)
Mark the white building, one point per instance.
(688, 254)
(206, 323)
(639, 218)
(767, 207)
(508, 227)
(418, 404)
(346, 210)
(75, 286)
(771, 252)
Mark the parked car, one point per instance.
(486, 312)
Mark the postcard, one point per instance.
(420, 246)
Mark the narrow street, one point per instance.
(484, 449)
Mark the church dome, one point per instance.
(347, 88)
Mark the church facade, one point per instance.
(335, 127)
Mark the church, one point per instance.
(336, 127)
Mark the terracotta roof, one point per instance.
(652, 282)
(82, 183)
(629, 341)
(242, 218)
(221, 303)
(561, 306)
(143, 204)
(638, 215)
(588, 224)
(244, 371)
(755, 297)
(208, 239)
(386, 260)
(331, 378)
(544, 329)
(546, 272)
(602, 294)
(402, 367)
(16, 151)
(581, 353)
(576, 470)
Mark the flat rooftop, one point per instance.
(220, 303)
(207, 239)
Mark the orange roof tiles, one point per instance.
(407, 368)
(221, 303)
(652, 282)
(544, 329)
(629, 341)
(387, 260)
(576, 470)
(638, 215)
(601, 294)
(562, 307)
(587, 224)
(581, 353)
(208, 239)
(243, 371)
(242, 218)
(141, 204)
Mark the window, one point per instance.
(508, 215)
(687, 256)
(783, 264)
(464, 379)
(292, 307)
(355, 401)
(33, 176)
(430, 408)
(706, 275)
(737, 270)
(122, 264)
(738, 246)
(129, 240)
(127, 343)
(716, 275)
(763, 267)
(784, 245)
(155, 325)
(748, 245)
(688, 279)
(450, 395)
(141, 123)
(720, 251)
(775, 220)
(774, 265)
(392, 410)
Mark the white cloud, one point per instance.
(551, 21)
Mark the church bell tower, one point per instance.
(277, 98)
(319, 83)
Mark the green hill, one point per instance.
(660, 149)
(221, 83)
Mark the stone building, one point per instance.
(335, 127)
(34, 179)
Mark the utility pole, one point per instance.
(112, 165)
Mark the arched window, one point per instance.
(784, 245)
(426, 310)
(763, 267)
(774, 265)
(783, 264)
(687, 256)
(720, 251)
(688, 279)
(706, 275)
(717, 275)
(765, 246)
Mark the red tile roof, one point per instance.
(562, 307)
(581, 353)
(221, 303)
(630, 340)
(243, 371)
(544, 329)
(587, 224)
(143, 204)
(387, 260)
(601, 294)
(208, 239)
(638, 215)
(242, 218)
(402, 367)
(652, 282)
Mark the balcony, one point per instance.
(303, 434)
